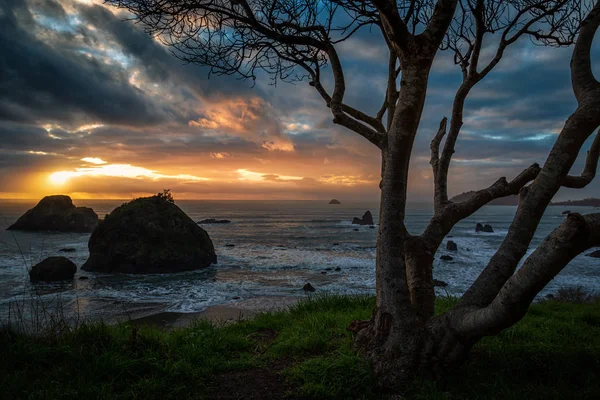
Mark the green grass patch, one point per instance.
(552, 353)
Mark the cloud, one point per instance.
(82, 91)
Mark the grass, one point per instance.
(553, 353)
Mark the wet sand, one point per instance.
(220, 314)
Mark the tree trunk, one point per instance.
(399, 332)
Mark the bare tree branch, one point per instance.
(580, 125)
(589, 171)
(574, 236)
(435, 158)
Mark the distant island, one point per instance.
(334, 201)
(590, 202)
(512, 200)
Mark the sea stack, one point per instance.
(58, 214)
(149, 235)
(367, 219)
(334, 201)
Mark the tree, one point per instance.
(297, 39)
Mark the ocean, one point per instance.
(270, 248)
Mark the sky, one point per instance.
(92, 107)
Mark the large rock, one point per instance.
(334, 201)
(57, 213)
(149, 235)
(53, 269)
(367, 219)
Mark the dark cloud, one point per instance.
(64, 67)
(42, 83)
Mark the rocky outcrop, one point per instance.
(58, 214)
(451, 246)
(213, 221)
(334, 201)
(53, 269)
(367, 219)
(149, 235)
(484, 228)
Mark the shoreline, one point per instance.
(220, 314)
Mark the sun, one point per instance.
(59, 178)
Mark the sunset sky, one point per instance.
(92, 107)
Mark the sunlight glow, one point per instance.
(118, 171)
(246, 175)
(94, 160)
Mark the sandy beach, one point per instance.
(220, 314)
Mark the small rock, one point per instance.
(451, 246)
(83, 278)
(595, 254)
(324, 272)
(213, 221)
(438, 283)
(53, 269)
(337, 269)
(550, 296)
(308, 288)
(328, 269)
(335, 244)
(446, 258)
(567, 212)
(484, 228)
(67, 250)
(235, 297)
(355, 229)
(230, 245)
(334, 201)
(372, 227)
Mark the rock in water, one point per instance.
(566, 212)
(334, 201)
(53, 269)
(57, 213)
(484, 228)
(367, 219)
(595, 254)
(451, 246)
(438, 283)
(488, 228)
(308, 288)
(149, 235)
(214, 221)
(446, 258)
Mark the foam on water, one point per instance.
(277, 248)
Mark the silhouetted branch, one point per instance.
(589, 171)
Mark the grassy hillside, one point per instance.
(554, 353)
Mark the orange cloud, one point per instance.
(253, 119)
